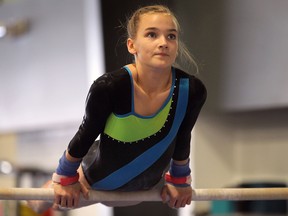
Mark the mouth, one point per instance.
(161, 54)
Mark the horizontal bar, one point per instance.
(241, 194)
(151, 195)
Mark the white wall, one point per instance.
(44, 79)
(44, 74)
(255, 55)
(235, 148)
(241, 50)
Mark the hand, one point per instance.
(69, 196)
(176, 196)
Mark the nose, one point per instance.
(163, 42)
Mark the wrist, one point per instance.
(66, 167)
(179, 174)
(178, 181)
(177, 170)
(65, 180)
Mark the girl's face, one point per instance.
(156, 41)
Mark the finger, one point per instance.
(164, 195)
(172, 202)
(178, 204)
(70, 202)
(57, 199)
(55, 206)
(63, 202)
(189, 200)
(76, 200)
(84, 191)
(183, 203)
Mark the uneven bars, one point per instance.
(151, 195)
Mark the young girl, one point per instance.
(144, 114)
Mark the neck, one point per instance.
(153, 81)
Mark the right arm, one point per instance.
(68, 196)
(98, 108)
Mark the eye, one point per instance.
(172, 36)
(151, 35)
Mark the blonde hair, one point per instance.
(184, 60)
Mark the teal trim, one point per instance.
(132, 96)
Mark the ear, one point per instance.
(131, 46)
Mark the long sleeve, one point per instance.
(98, 108)
(197, 97)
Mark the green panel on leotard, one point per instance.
(131, 128)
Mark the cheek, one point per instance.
(176, 50)
(145, 49)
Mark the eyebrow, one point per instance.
(154, 28)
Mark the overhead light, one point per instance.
(15, 28)
(3, 31)
(5, 167)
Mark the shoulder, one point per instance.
(111, 80)
(196, 86)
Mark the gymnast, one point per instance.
(144, 113)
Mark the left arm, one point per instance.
(177, 191)
(178, 184)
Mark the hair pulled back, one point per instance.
(184, 58)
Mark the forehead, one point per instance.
(157, 20)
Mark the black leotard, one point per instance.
(134, 150)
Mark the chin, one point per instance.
(163, 64)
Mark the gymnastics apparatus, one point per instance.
(151, 195)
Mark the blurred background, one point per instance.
(51, 51)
